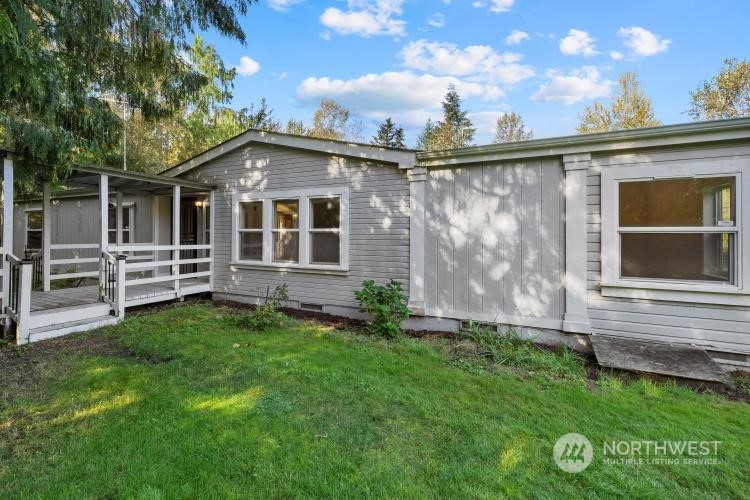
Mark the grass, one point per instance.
(184, 403)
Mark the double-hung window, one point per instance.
(674, 227)
(304, 229)
(128, 209)
(34, 227)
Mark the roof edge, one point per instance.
(403, 158)
(706, 131)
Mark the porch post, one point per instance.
(8, 223)
(24, 301)
(211, 219)
(576, 319)
(118, 210)
(176, 236)
(417, 181)
(120, 286)
(103, 228)
(46, 236)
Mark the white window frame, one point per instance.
(613, 285)
(303, 196)
(130, 207)
(26, 228)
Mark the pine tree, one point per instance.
(454, 131)
(511, 128)
(389, 136)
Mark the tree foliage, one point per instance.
(202, 122)
(333, 121)
(454, 131)
(389, 135)
(726, 95)
(631, 108)
(60, 57)
(511, 128)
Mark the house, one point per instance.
(636, 236)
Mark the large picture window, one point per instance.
(303, 229)
(675, 231)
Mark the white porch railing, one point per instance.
(76, 261)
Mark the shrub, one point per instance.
(267, 315)
(386, 305)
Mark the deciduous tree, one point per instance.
(631, 108)
(511, 128)
(726, 95)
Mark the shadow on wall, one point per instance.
(494, 240)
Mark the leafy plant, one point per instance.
(267, 315)
(386, 305)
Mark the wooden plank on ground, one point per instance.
(677, 360)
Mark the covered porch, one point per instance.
(77, 257)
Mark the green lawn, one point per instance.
(184, 404)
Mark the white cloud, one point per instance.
(496, 6)
(366, 18)
(578, 43)
(476, 62)
(616, 55)
(642, 42)
(399, 94)
(516, 37)
(486, 121)
(437, 20)
(577, 85)
(282, 5)
(247, 67)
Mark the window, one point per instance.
(301, 229)
(251, 231)
(678, 229)
(325, 227)
(34, 225)
(682, 230)
(127, 218)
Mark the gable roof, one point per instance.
(403, 158)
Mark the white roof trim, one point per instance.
(404, 159)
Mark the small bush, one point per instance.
(386, 305)
(267, 315)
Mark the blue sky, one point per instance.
(546, 60)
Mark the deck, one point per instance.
(134, 295)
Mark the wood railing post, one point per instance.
(24, 301)
(120, 286)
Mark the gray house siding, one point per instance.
(378, 221)
(76, 220)
(721, 328)
(494, 242)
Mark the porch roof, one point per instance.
(88, 176)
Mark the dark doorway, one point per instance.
(188, 232)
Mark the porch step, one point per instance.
(81, 325)
(677, 360)
(60, 315)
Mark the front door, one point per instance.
(188, 232)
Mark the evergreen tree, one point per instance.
(630, 109)
(511, 128)
(454, 131)
(389, 136)
(60, 57)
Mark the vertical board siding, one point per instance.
(378, 220)
(494, 240)
(717, 327)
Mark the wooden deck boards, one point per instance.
(70, 297)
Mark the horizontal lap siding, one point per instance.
(494, 240)
(722, 328)
(378, 220)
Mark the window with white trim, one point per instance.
(128, 210)
(300, 229)
(674, 227)
(34, 228)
